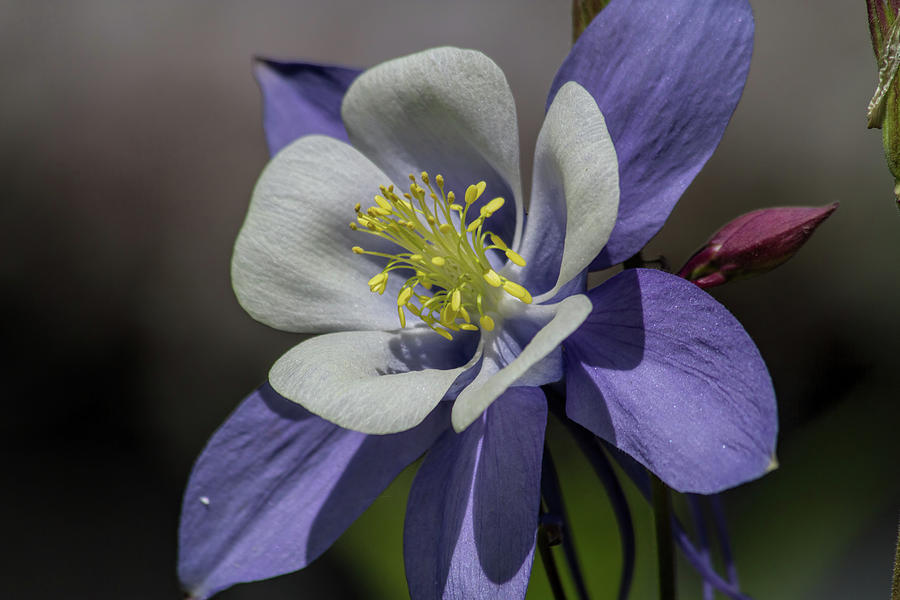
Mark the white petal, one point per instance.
(490, 384)
(575, 194)
(293, 267)
(371, 381)
(447, 111)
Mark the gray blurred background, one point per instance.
(130, 139)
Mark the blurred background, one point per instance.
(130, 139)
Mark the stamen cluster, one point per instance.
(452, 279)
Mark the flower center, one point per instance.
(453, 285)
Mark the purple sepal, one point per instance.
(275, 487)
(754, 243)
(665, 373)
(301, 99)
(667, 75)
(472, 515)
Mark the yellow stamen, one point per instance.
(449, 276)
(492, 278)
(456, 300)
(495, 239)
(515, 258)
(517, 291)
(491, 207)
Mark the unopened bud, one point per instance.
(753, 244)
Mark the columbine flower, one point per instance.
(491, 301)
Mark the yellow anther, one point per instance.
(357, 207)
(495, 239)
(448, 316)
(492, 278)
(468, 327)
(430, 220)
(473, 192)
(486, 322)
(402, 317)
(438, 261)
(451, 197)
(357, 250)
(443, 332)
(517, 291)
(353, 226)
(381, 277)
(515, 258)
(455, 300)
(425, 177)
(464, 314)
(492, 207)
(382, 203)
(378, 211)
(404, 296)
(456, 207)
(475, 224)
(439, 179)
(416, 257)
(446, 227)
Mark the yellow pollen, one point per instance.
(450, 283)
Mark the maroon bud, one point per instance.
(753, 244)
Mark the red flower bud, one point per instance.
(753, 244)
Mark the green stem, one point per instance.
(895, 588)
(543, 543)
(665, 548)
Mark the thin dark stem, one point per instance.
(694, 502)
(543, 544)
(552, 493)
(721, 524)
(665, 549)
(604, 471)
